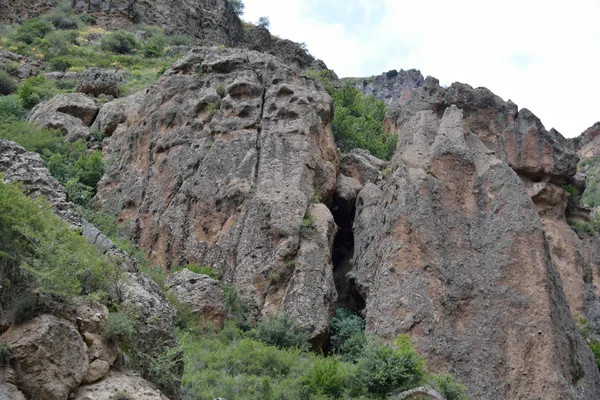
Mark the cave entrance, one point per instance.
(342, 252)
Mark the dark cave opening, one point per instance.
(342, 253)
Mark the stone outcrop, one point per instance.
(217, 167)
(17, 164)
(201, 293)
(18, 66)
(119, 382)
(8, 388)
(587, 144)
(97, 81)
(70, 113)
(393, 87)
(49, 355)
(516, 136)
(117, 112)
(442, 250)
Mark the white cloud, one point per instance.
(544, 55)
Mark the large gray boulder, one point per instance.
(97, 81)
(71, 113)
(119, 382)
(49, 355)
(217, 167)
(201, 293)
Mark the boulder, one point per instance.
(49, 356)
(440, 253)
(119, 382)
(97, 81)
(218, 165)
(362, 166)
(139, 295)
(116, 112)
(201, 293)
(18, 66)
(98, 349)
(71, 113)
(96, 371)
(96, 237)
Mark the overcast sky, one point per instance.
(543, 55)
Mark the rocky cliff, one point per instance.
(218, 166)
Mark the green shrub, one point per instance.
(10, 108)
(60, 63)
(178, 40)
(6, 353)
(57, 258)
(88, 19)
(30, 136)
(154, 47)
(119, 42)
(7, 84)
(118, 328)
(383, 370)
(79, 193)
(59, 40)
(347, 334)
(159, 369)
(328, 376)
(89, 168)
(35, 90)
(450, 388)
(25, 308)
(237, 6)
(358, 120)
(31, 30)
(201, 269)
(237, 308)
(280, 331)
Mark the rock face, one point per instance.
(442, 249)
(119, 382)
(218, 168)
(516, 136)
(17, 164)
(587, 144)
(97, 81)
(70, 113)
(50, 357)
(201, 293)
(18, 66)
(8, 388)
(393, 87)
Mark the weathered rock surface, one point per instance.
(97, 81)
(97, 370)
(393, 87)
(121, 382)
(71, 113)
(362, 166)
(49, 355)
(139, 295)
(218, 166)
(587, 144)
(201, 293)
(441, 251)
(516, 136)
(17, 164)
(117, 112)
(8, 388)
(18, 66)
